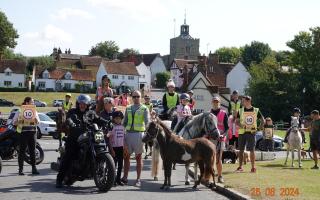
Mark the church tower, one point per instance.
(184, 46)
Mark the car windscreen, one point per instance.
(44, 117)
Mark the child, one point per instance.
(268, 134)
(183, 111)
(117, 142)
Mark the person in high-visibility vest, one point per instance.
(67, 104)
(223, 127)
(136, 118)
(233, 110)
(248, 122)
(171, 98)
(26, 121)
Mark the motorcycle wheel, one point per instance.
(105, 173)
(0, 164)
(39, 155)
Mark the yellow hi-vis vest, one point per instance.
(67, 107)
(235, 107)
(136, 122)
(248, 121)
(171, 100)
(149, 106)
(27, 117)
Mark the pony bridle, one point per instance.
(207, 130)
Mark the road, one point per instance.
(30, 187)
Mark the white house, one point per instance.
(237, 78)
(121, 74)
(144, 76)
(13, 73)
(63, 79)
(178, 67)
(204, 91)
(155, 62)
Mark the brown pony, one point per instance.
(174, 149)
(61, 124)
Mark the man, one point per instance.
(74, 119)
(248, 127)
(233, 110)
(223, 128)
(135, 120)
(296, 113)
(171, 98)
(315, 137)
(67, 104)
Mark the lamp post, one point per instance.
(303, 97)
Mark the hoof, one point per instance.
(187, 183)
(146, 157)
(155, 178)
(211, 185)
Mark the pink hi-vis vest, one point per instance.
(220, 117)
(230, 131)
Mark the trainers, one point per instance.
(124, 181)
(21, 173)
(220, 179)
(315, 167)
(239, 169)
(120, 183)
(253, 170)
(138, 183)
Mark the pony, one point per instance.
(61, 125)
(294, 141)
(174, 149)
(197, 127)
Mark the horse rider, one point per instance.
(75, 122)
(183, 112)
(248, 123)
(296, 113)
(28, 134)
(223, 127)
(233, 110)
(67, 104)
(171, 98)
(137, 117)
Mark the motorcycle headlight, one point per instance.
(98, 137)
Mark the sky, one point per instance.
(148, 25)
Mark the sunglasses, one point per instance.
(135, 97)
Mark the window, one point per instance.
(115, 76)
(45, 75)
(67, 86)
(20, 84)
(7, 83)
(199, 97)
(42, 84)
(8, 73)
(122, 77)
(130, 77)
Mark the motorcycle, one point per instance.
(9, 145)
(93, 160)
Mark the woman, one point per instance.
(27, 127)
(103, 91)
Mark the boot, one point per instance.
(21, 172)
(35, 171)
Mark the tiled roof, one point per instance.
(77, 74)
(17, 66)
(148, 58)
(69, 56)
(123, 68)
(90, 61)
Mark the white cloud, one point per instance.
(50, 35)
(139, 9)
(65, 13)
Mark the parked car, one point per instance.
(4, 102)
(53, 115)
(38, 103)
(155, 102)
(46, 126)
(158, 109)
(57, 102)
(278, 142)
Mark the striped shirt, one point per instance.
(117, 136)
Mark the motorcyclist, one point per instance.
(75, 122)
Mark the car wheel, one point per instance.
(39, 134)
(260, 145)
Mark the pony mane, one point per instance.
(193, 128)
(163, 126)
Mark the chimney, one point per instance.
(214, 58)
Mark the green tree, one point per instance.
(256, 52)
(41, 61)
(228, 54)
(9, 54)
(162, 79)
(283, 57)
(106, 49)
(127, 52)
(8, 34)
(306, 59)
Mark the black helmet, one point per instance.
(235, 92)
(127, 91)
(105, 77)
(185, 96)
(84, 98)
(296, 110)
(117, 114)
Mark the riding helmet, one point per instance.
(296, 110)
(184, 96)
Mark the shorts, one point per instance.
(247, 140)
(134, 142)
(221, 146)
(233, 141)
(315, 144)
